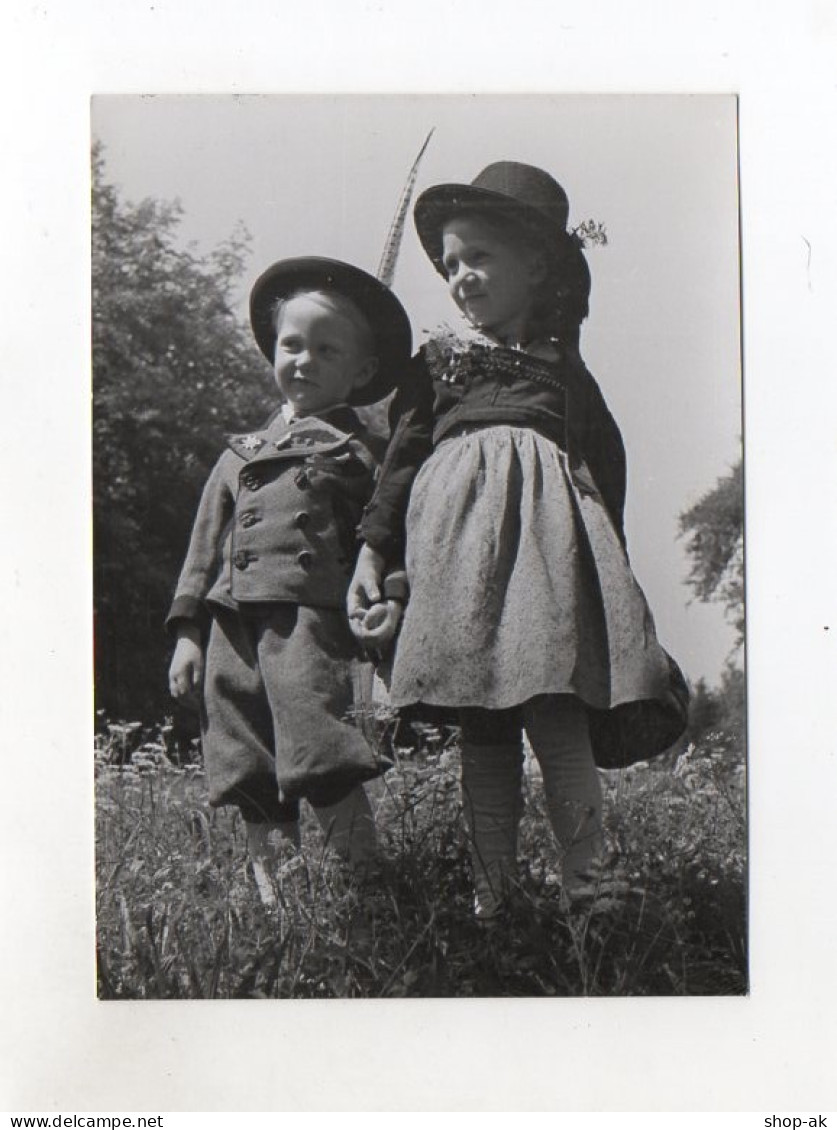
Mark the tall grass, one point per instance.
(179, 915)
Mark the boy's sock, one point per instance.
(259, 843)
(558, 730)
(264, 855)
(349, 827)
(491, 797)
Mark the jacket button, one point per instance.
(251, 481)
(301, 479)
(301, 519)
(249, 518)
(305, 558)
(242, 558)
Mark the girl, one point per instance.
(506, 475)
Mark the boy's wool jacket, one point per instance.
(450, 389)
(277, 521)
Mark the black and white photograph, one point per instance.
(418, 547)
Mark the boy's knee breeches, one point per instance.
(281, 686)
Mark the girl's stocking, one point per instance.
(491, 796)
(557, 728)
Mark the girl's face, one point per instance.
(492, 280)
(320, 355)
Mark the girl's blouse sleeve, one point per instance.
(411, 431)
(603, 449)
(610, 466)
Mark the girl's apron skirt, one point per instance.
(521, 587)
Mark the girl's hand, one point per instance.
(365, 585)
(375, 627)
(186, 670)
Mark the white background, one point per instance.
(59, 1048)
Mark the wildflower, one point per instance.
(122, 729)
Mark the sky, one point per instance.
(322, 175)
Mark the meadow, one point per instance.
(179, 915)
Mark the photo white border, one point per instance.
(61, 1049)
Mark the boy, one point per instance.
(258, 612)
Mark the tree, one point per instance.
(732, 698)
(173, 368)
(714, 527)
(704, 710)
(721, 708)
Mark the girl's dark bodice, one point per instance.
(452, 387)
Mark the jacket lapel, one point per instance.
(308, 435)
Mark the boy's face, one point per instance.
(320, 357)
(492, 281)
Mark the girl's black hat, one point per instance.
(386, 316)
(523, 194)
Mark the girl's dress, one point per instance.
(506, 473)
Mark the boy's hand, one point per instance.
(376, 627)
(186, 670)
(365, 585)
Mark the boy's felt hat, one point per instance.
(386, 316)
(523, 194)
